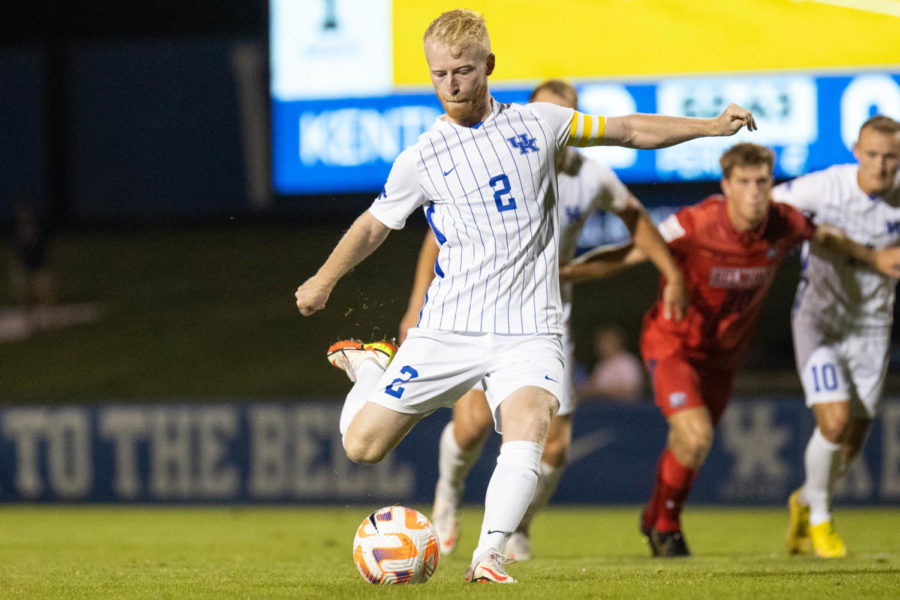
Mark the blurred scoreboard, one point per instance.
(350, 90)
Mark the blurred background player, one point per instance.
(485, 173)
(842, 321)
(584, 187)
(617, 374)
(728, 250)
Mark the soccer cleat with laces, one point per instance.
(347, 355)
(518, 546)
(826, 542)
(668, 544)
(798, 529)
(445, 518)
(489, 568)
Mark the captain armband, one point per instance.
(586, 130)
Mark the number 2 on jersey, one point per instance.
(394, 388)
(503, 190)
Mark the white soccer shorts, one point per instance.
(435, 368)
(567, 401)
(836, 368)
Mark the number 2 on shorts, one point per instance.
(394, 388)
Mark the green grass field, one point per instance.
(287, 552)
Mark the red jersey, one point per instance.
(727, 274)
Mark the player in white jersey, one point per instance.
(585, 186)
(485, 173)
(841, 322)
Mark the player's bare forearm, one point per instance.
(660, 131)
(646, 237)
(363, 237)
(601, 262)
(886, 260)
(832, 238)
(424, 274)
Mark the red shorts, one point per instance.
(679, 383)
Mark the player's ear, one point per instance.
(491, 61)
(856, 150)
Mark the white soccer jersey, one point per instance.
(837, 289)
(490, 195)
(585, 186)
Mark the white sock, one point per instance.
(546, 485)
(508, 494)
(454, 465)
(367, 375)
(823, 461)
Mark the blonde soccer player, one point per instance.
(585, 186)
(485, 175)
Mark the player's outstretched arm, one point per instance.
(886, 260)
(602, 261)
(646, 237)
(363, 237)
(655, 131)
(424, 274)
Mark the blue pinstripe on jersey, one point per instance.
(515, 162)
(553, 236)
(480, 237)
(430, 220)
(475, 218)
(465, 230)
(513, 270)
(485, 208)
(540, 210)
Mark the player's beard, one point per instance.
(467, 110)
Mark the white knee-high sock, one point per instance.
(454, 464)
(546, 485)
(823, 461)
(508, 494)
(367, 375)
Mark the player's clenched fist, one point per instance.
(311, 297)
(887, 260)
(733, 118)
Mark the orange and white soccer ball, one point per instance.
(394, 545)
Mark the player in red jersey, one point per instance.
(728, 249)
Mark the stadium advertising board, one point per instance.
(349, 85)
(292, 452)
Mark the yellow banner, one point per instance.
(582, 39)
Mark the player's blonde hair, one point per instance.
(746, 155)
(561, 88)
(459, 27)
(881, 124)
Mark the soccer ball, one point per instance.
(396, 544)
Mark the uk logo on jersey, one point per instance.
(523, 143)
(893, 226)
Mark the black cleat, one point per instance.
(668, 544)
(647, 532)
